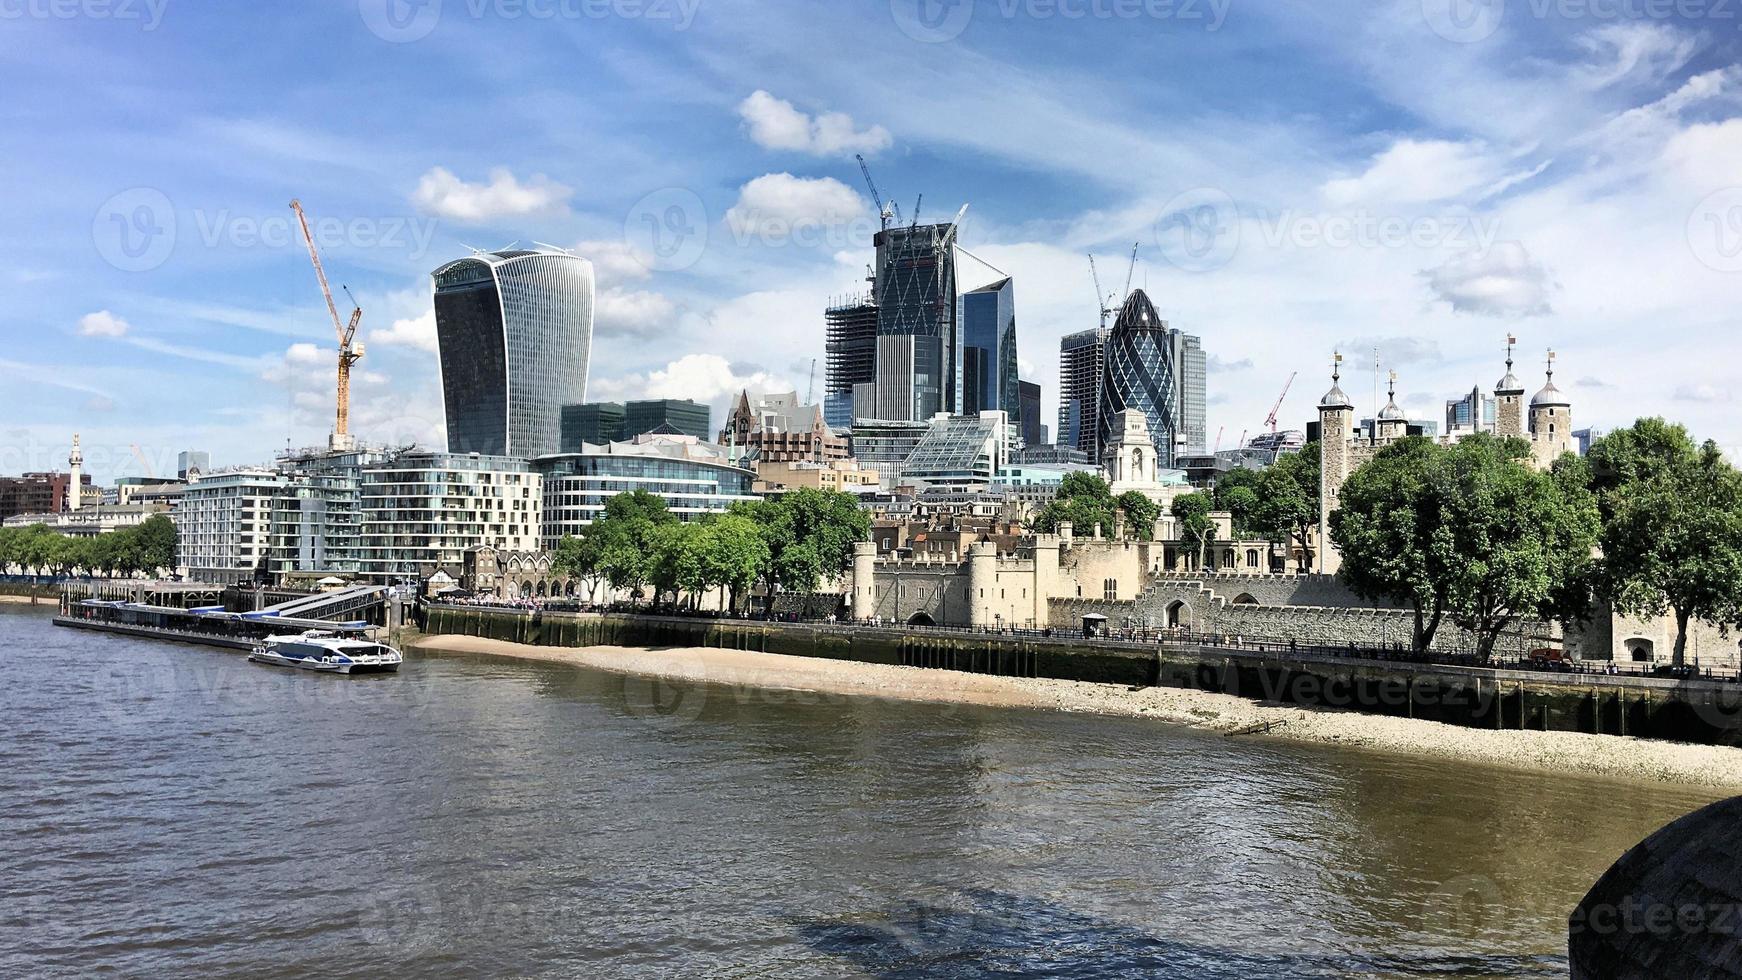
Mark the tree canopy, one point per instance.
(1085, 501)
(1279, 503)
(146, 548)
(1671, 527)
(1468, 531)
(1192, 512)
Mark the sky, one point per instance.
(1416, 178)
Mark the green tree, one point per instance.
(1672, 527)
(1288, 500)
(575, 559)
(1239, 492)
(735, 555)
(1192, 512)
(809, 534)
(1392, 530)
(1140, 513)
(677, 560)
(1521, 535)
(151, 546)
(1084, 501)
(619, 544)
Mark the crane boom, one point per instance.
(1131, 271)
(349, 352)
(883, 212)
(1271, 420)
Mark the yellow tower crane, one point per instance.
(350, 352)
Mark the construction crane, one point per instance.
(350, 352)
(920, 200)
(884, 211)
(810, 393)
(1219, 432)
(1131, 271)
(1271, 420)
(1100, 297)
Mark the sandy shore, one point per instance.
(1695, 765)
(25, 600)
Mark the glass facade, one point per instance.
(1082, 363)
(514, 331)
(680, 414)
(577, 485)
(989, 373)
(594, 423)
(1141, 374)
(916, 297)
(1193, 370)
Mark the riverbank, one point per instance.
(1627, 758)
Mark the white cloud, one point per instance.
(1503, 281)
(776, 125)
(1393, 352)
(1425, 171)
(445, 195)
(1701, 393)
(1616, 52)
(613, 260)
(417, 332)
(706, 378)
(632, 313)
(103, 324)
(775, 204)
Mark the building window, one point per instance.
(1110, 589)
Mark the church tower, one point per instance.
(1509, 396)
(1336, 420)
(1551, 422)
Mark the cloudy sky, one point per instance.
(1419, 177)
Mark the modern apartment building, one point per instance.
(224, 525)
(421, 511)
(692, 477)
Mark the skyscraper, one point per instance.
(1082, 362)
(1033, 432)
(1193, 376)
(987, 316)
(851, 346)
(915, 293)
(514, 331)
(1143, 374)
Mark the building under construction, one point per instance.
(851, 346)
(915, 293)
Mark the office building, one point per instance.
(593, 423)
(960, 451)
(693, 477)
(1193, 387)
(884, 445)
(1475, 412)
(839, 474)
(1028, 398)
(909, 387)
(851, 349)
(1082, 362)
(422, 510)
(671, 415)
(1585, 438)
(1142, 374)
(988, 352)
(915, 293)
(190, 463)
(514, 331)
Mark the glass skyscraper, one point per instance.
(915, 294)
(1142, 373)
(1082, 367)
(514, 331)
(988, 323)
(1193, 377)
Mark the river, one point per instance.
(167, 809)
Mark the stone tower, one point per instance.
(1129, 452)
(1336, 420)
(76, 468)
(982, 582)
(1509, 401)
(1392, 424)
(864, 580)
(1551, 422)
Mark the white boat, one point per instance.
(328, 653)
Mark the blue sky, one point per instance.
(1421, 176)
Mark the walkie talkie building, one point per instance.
(514, 330)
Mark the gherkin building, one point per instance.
(1141, 374)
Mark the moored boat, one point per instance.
(328, 653)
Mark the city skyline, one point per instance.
(212, 335)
